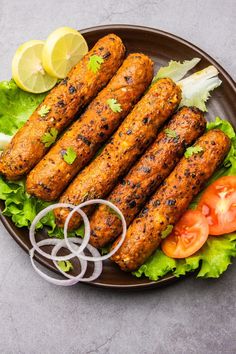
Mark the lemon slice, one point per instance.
(63, 49)
(27, 69)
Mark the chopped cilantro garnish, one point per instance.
(114, 105)
(171, 133)
(105, 249)
(69, 156)
(95, 62)
(44, 110)
(192, 150)
(167, 231)
(112, 211)
(49, 138)
(65, 266)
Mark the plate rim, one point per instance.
(167, 280)
(166, 34)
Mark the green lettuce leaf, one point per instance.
(197, 87)
(176, 70)
(16, 106)
(226, 127)
(156, 266)
(212, 260)
(22, 209)
(217, 253)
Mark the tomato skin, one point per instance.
(218, 204)
(188, 235)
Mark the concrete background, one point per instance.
(191, 316)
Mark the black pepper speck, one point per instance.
(156, 203)
(171, 202)
(72, 89)
(61, 103)
(145, 120)
(132, 204)
(106, 127)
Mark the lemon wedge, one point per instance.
(63, 49)
(27, 69)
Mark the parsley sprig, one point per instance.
(44, 110)
(49, 138)
(69, 156)
(193, 150)
(114, 105)
(171, 133)
(95, 62)
(167, 231)
(65, 266)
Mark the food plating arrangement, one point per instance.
(110, 163)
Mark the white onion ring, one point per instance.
(97, 266)
(41, 214)
(62, 244)
(62, 282)
(67, 243)
(122, 238)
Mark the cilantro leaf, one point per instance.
(49, 138)
(114, 105)
(167, 231)
(44, 110)
(193, 150)
(105, 249)
(95, 62)
(65, 266)
(171, 133)
(69, 156)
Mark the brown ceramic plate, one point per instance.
(161, 47)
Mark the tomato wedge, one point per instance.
(218, 204)
(188, 235)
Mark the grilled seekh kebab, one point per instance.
(52, 174)
(170, 201)
(60, 107)
(147, 174)
(137, 131)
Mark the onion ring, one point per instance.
(89, 202)
(62, 282)
(97, 266)
(67, 243)
(43, 213)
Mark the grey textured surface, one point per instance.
(191, 316)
